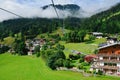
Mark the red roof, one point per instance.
(89, 58)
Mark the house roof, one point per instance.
(108, 45)
(97, 33)
(89, 58)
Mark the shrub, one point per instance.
(74, 57)
(100, 72)
(38, 54)
(42, 52)
(96, 51)
(51, 62)
(80, 66)
(66, 63)
(37, 49)
(60, 47)
(91, 37)
(56, 60)
(81, 60)
(85, 63)
(59, 62)
(3, 49)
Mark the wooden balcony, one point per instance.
(109, 67)
(106, 67)
(108, 55)
(110, 61)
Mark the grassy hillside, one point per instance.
(7, 41)
(115, 14)
(58, 31)
(85, 47)
(32, 68)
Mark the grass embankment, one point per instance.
(32, 68)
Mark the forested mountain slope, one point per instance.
(107, 21)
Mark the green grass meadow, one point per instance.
(87, 47)
(13, 67)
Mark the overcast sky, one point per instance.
(31, 8)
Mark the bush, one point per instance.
(80, 66)
(66, 63)
(60, 54)
(51, 62)
(85, 63)
(91, 37)
(96, 51)
(100, 72)
(37, 49)
(74, 57)
(38, 54)
(56, 60)
(88, 71)
(59, 62)
(3, 49)
(81, 60)
(42, 52)
(60, 47)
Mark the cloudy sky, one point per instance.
(31, 8)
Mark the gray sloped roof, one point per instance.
(108, 45)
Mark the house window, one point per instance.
(115, 47)
(114, 64)
(105, 57)
(110, 64)
(105, 64)
(112, 52)
(115, 58)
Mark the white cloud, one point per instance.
(93, 5)
(31, 8)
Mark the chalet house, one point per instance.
(111, 40)
(108, 59)
(97, 34)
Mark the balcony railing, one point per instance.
(109, 67)
(108, 55)
(111, 60)
(106, 67)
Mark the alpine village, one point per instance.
(70, 48)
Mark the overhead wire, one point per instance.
(11, 12)
(23, 17)
(55, 8)
(58, 15)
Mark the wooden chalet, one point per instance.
(108, 59)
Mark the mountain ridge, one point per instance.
(62, 7)
(67, 10)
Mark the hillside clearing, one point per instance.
(84, 47)
(8, 41)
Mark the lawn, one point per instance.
(84, 47)
(31, 68)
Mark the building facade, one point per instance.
(108, 59)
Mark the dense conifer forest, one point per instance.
(106, 22)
